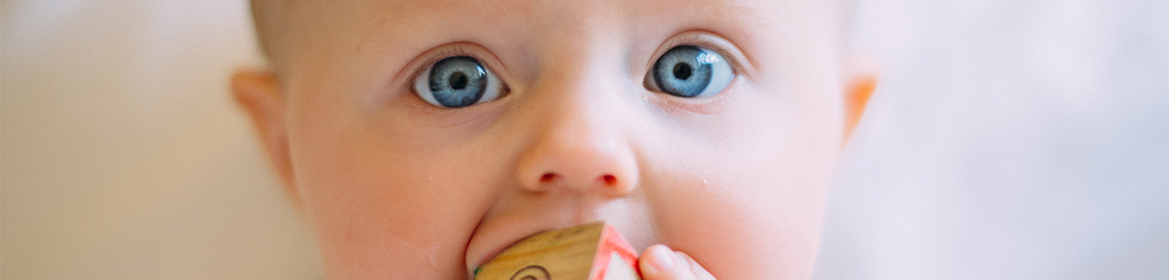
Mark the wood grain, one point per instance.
(593, 251)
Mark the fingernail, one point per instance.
(662, 258)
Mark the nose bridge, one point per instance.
(581, 53)
(580, 89)
(576, 98)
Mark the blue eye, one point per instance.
(457, 82)
(689, 71)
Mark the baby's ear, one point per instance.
(259, 94)
(860, 76)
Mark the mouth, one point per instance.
(486, 244)
(504, 228)
(574, 248)
(489, 255)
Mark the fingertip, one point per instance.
(661, 258)
(658, 262)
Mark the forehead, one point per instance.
(578, 17)
(565, 10)
(382, 37)
(536, 12)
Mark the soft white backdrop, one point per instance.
(1007, 140)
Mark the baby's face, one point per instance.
(426, 136)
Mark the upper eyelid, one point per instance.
(435, 55)
(699, 39)
(430, 57)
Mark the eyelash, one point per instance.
(698, 42)
(440, 54)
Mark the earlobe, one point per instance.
(258, 93)
(861, 77)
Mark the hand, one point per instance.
(661, 263)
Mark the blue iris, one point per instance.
(689, 71)
(457, 81)
(679, 72)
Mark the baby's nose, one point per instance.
(579, 158)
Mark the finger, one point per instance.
(661, 263)
(697, 270)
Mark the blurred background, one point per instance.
(1007, 140)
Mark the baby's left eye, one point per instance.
(690, 71)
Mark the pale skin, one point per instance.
(731, 185)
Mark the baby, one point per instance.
(421, 138)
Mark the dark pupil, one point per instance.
(682, 71)
(458, 80)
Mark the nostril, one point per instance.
(547, 177)
(609, 179)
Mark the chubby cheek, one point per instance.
(748, 202)
(740, 225)
(385, 206)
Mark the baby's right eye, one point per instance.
(457, 82)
